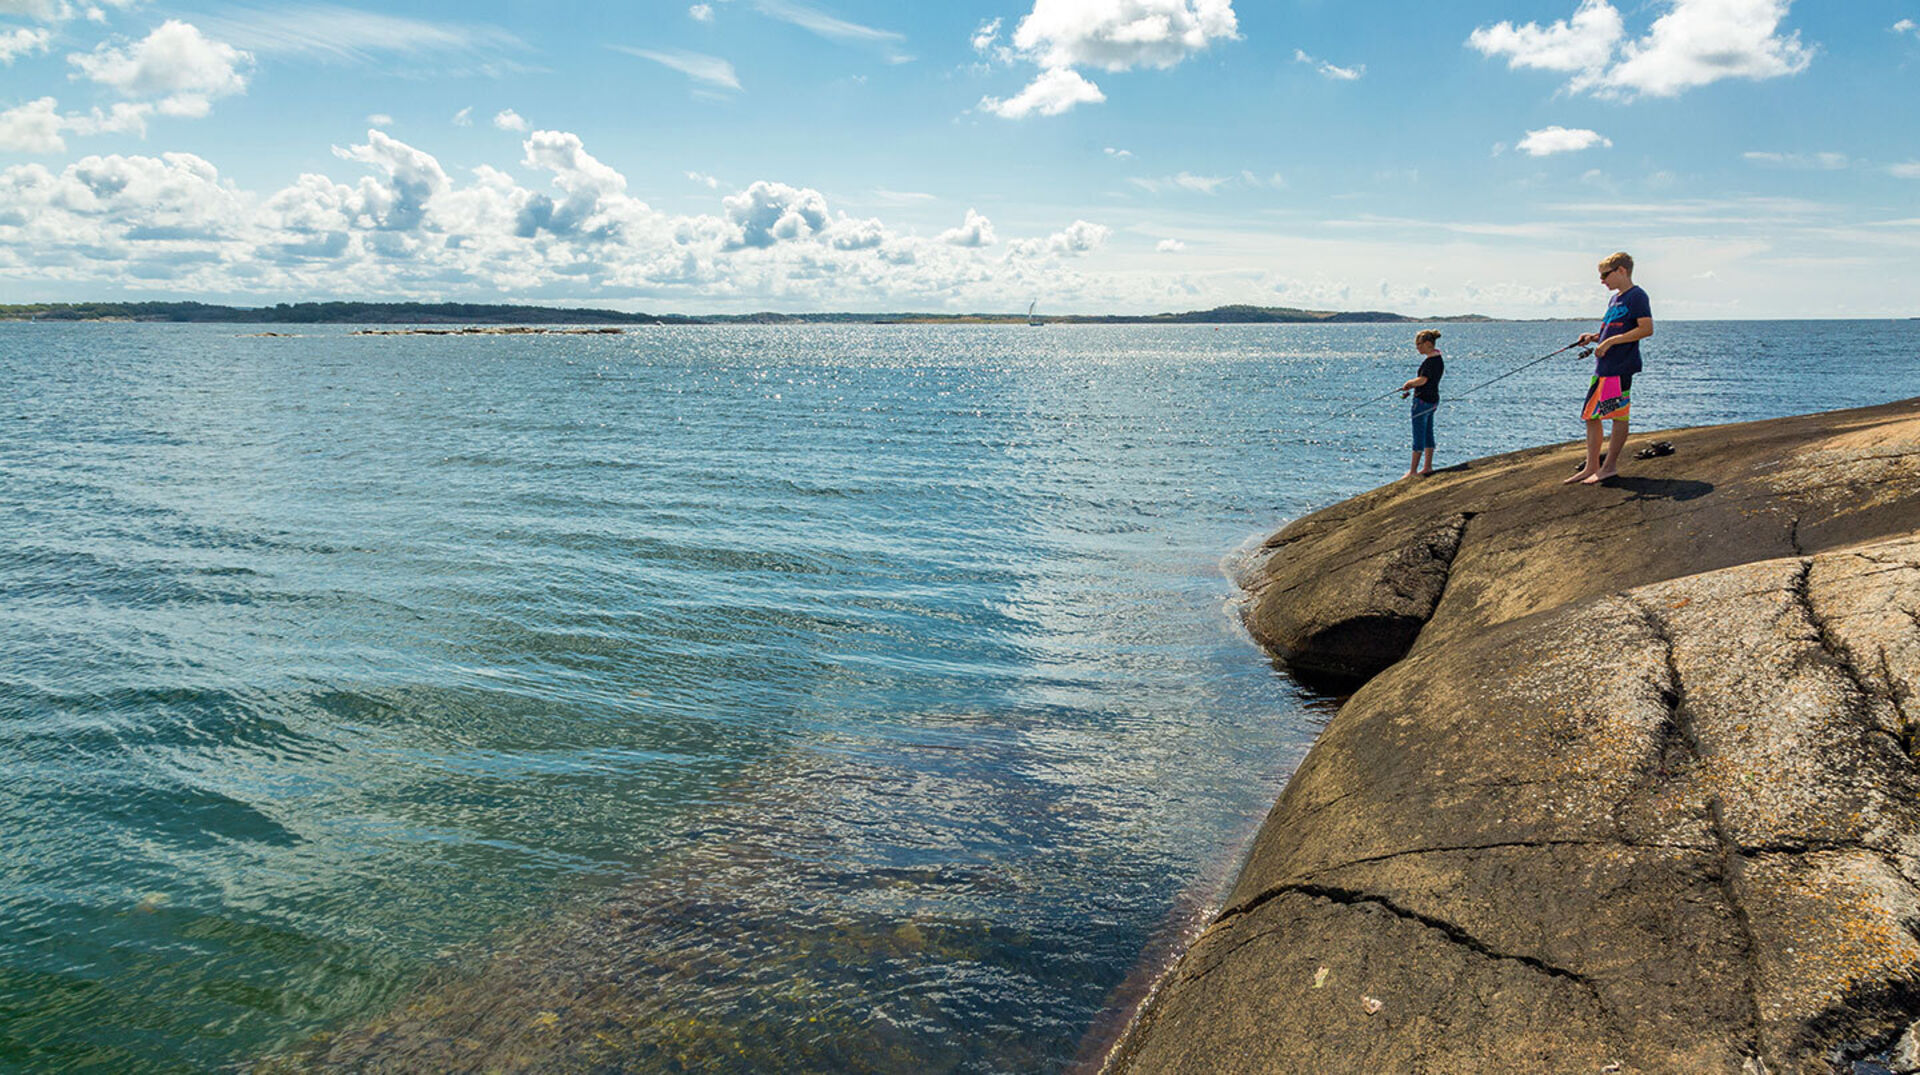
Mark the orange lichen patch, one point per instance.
(1832, 924)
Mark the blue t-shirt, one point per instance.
(1627, 310)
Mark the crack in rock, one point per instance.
(1680, 716)
(1345, 897)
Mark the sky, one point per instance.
(1759, 158)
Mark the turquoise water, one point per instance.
(883, 680)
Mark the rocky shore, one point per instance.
(1629, 783)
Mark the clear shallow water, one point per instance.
(866, 697)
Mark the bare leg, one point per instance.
(1427, 466)
(1617, 445)
(1414, 466)
(1593, 454)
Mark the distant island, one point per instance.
(463, 313)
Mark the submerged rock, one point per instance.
(1631, 786)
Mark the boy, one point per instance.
(1616, 358)
(1425, 387)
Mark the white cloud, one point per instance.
(1585, 44)
(1078, 238)
(176, 63)
(346, 35)
(1905, 26)
(1118, 35)
(986, 35)
(704, 180)
(1055, 91)
(508, 120)
(44, 10)
(1703, 41)
(976, 231)
(768, 213)
(701, 12)
(1169, 246)
(1550, 140)
(22, 42)
(380, 119)
(711, 70)
(1907, 170)
(1198, 184)
(33, 127)
(464, 117)
(836, 29)
(1118, 154)
(1827, 162)
(1694, 43)
(1329, 70)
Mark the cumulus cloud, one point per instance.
(1330, 70)
(380, 119)
(1055, 91)
(1905, 26)
(22, 42)
(975, 231)
(710, 70)
(33, 127)
(1114, 35)
(1694, 43)
(767, 213)
(1118, 35)
(408, 228)
(701, 12)
(1169, 246)
(508, 120)
(410, 179)
(1117, 154)
(175, 64)
(1584, 45)
(1550, 140)
(1906, 170)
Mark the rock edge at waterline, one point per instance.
(1631, 785)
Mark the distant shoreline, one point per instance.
(418, 313)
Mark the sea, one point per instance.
(705, 698)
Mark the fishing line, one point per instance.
(1316, 426)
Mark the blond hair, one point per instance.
(1427, 335)
(1621, 260)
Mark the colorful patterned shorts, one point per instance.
(1608, 397)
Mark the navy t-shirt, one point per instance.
(1626, 311)
(1432, 368)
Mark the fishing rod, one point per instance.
(1518, 368)
(1316, 426)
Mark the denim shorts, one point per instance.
(1423, 424)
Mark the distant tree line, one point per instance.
(442, 313)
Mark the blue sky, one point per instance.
(1758, 157)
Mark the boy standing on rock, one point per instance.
(1616, 358)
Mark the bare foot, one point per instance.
(1407, 475)
(1584, 476)
(1426, 474)
(1598, 477)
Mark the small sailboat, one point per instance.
(1031, 319)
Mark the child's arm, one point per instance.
(1411, 385)
(1639, 331)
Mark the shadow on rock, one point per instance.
(1660, 488)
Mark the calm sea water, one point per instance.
(883, 678)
